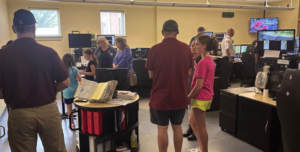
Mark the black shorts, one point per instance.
(162, 118)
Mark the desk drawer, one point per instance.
(228, 103)
(228, 122)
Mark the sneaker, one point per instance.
(188, 132)
(192, 137)
(192, 150)
(197, 149)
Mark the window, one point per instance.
(48, 22)
(112, 23)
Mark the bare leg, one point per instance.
(163, 140)
(201, 126)
(194, 126)
(69, 109)
(178, 137)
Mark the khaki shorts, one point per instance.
(26, 123)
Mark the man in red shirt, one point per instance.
(31, 75)
(169, 63)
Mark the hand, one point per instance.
(81, 71)
(230, 60)
(189, 98)
(115, 66)
(195, 64)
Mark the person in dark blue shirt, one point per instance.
(200, 32)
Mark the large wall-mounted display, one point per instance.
(258, 24)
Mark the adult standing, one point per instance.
(123, 58)
(228, 50)
(29, 85)
(105, 53)
(170, 64)
(200, 32)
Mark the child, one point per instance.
(74, 77)
(90, 70)
(201, 94)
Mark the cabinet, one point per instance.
(258, 124)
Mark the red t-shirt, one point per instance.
(170, 61)
(206, 70)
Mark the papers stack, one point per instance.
(126, 95)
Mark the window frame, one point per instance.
(49, 37)
(123, 21)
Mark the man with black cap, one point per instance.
(169, 63)
(200, 32)
(31, 75)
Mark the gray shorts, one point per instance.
(162, 117)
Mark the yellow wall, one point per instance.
(144, 23)
(286, 19)
(4, 26)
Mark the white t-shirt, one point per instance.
(227, 44)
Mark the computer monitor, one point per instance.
(110, 38)
(108, 74)
(243, 48)
(281, 40)
(297, 42)
(80, 40)
(220, 36)
(237, 49)
(210, 34)
(140, 52)
(257, 24)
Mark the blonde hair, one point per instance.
(103, 40)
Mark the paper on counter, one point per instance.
(119, 102)
(271, 54)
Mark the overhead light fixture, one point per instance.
(152, 3)
(225, 6)
(190, 5)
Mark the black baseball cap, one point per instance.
(23, 17)
(201, 29)
(170, 25)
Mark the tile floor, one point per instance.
(219, 141)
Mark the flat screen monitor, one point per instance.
(110, 38)
(258, 24)
(108, 74)
(140, 52)
(297, 42)
(237, 49)
(220, 36)
(282, 40)
(80, 40)
(210, 34)
(244, 48)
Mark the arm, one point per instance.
(62, 85)
(93, 69)
(151, 74)
(125, 57)
(190, 72)
(256, 58)
(228, 55)
(196, 89)
(78, 77)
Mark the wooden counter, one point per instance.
(259, 98)
(101, 105)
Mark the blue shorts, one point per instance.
(69, 101)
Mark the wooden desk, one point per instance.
(259, 98)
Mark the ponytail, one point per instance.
(90, 52)
(211, 43)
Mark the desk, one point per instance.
(258, 123)
(131, 117)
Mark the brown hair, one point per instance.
(90, 52)
(68, 60)
(123, 43)
(103, 40)
(211, 43)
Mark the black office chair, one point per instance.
(249, 66)
(142, 75)
(288, 107)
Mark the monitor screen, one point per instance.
(220, 36)
(140, 52)
(237, 49)
(80, 40)
(283, 40)
(243, 48)
(110, 38)
(297, 42)
(258, 24)
(119, 74)
(210, 34)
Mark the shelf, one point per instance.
(112, 134)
